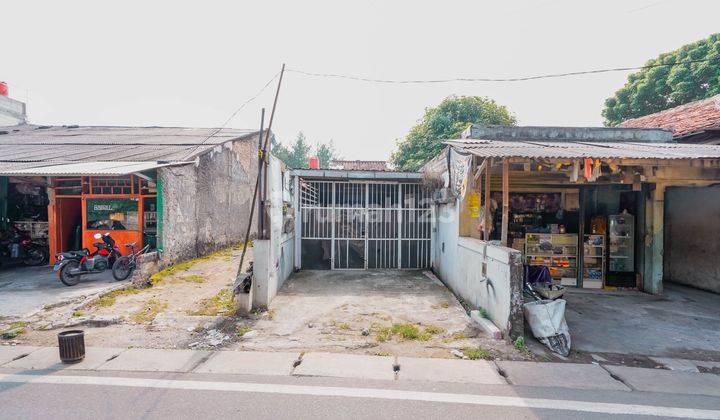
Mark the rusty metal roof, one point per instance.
(28, 146)
(576, 150)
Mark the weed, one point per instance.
(240, 330)
(47, 307)
(108, 299)
(193, 278)
(383, 334)
(520, 343)
(484, 313)
(149, 312)
(382, 353)
(406, 331)
(434, 330)
(220, 304)
(198, 328)
(475, 353)
(271, 314)
(344, 326)
(445, 305)
(14, 329)
(78, 313)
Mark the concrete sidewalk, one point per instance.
(530, 374)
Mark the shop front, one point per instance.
(80, 207)
(585, 236)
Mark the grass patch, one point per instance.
(445, 305)
(344, 326)
(149, 312)
(406, 331)
(475, 353)
(78, 313)
(220, 304)
(14, 330)
(109, 299)
(434, 330)
(193, 278)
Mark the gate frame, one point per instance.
(298, 213)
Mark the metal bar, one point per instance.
(486, 233)
(261, 173)
(506, 202)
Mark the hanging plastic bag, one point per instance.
(547, 322)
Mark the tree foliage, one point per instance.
(443, 122)
(298, 154)
(654, 89)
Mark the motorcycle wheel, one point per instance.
(122, 269)
(68, 279)
(36, 256)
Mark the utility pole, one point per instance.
(262, 159)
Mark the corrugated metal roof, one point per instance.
(32, 145)
(577, 150)
(88, 168)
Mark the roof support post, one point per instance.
(486, 223)
(505, 201)
(654, 284)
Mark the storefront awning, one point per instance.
(89, 168)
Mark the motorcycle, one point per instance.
(72, 265)
(17, 245)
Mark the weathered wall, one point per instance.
(461, 261)
(179, 233)
(274, 257)
(207, 205)
(692, 237)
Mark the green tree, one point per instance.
(298, 154)
(654, 89)
(443, 122)
(325, 153)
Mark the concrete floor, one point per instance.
(26, 289)
(328, 310)
(683, 323)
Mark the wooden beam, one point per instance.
(486, 231)
(505, 201)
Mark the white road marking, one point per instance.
(387, 394)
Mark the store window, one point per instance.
(112, 214)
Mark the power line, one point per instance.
(217, 130)
(486, 79)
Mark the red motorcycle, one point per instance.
(17, 245)
(71, 266)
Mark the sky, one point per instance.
(192, 64)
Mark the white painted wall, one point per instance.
(274, 258)
(459, 263)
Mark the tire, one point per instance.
(36, 256)
(122, 269)
(65, 277)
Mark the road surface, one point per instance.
(121, 395)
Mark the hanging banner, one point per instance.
(459, 170)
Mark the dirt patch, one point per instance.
(401, 313)
(174, 312)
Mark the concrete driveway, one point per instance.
(378, 312)
(683, 323)
(24, 290)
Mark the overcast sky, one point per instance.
(173, 63)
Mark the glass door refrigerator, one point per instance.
(621, 251)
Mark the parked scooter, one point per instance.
(70, 266)
(17, 245)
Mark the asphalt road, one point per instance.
(121, 395)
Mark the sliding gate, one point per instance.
(361, 225)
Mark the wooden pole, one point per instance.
(505, 201)
(486, 232)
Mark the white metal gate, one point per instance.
(361, 225)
